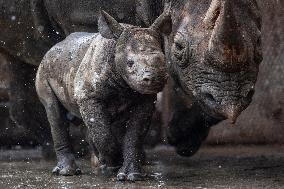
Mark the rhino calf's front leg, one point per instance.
(136, 130)
(97, 120)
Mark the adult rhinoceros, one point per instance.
(214, 53)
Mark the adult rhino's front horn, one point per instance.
(235, 40)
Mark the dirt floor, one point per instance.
(213, 167)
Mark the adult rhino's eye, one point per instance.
(179, 46)
(130, 63)
(180, 50)
(258, 51)
(179, 42)
(180, 54)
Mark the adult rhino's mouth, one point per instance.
(224, 95)
(224, 106)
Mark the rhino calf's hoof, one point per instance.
(107, 170)
(130, 177)
(135, 177)
(121, 177)
(95, 161)
(68, 170)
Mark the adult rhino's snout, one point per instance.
(232, 112)
(225, 107)
(223, 110)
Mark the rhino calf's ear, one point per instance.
(108, 27)
(163, 24)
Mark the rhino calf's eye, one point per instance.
(130, 63)
(250, 94)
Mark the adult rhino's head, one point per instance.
(216, 52)
(139, 56)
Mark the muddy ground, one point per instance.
(213, 167)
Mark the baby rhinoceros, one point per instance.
(109, 80)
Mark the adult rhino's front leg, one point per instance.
(25, 108)
(136, 130)
(97, 119)
(188, 128)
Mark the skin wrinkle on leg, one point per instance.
(64, 145)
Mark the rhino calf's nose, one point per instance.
(146, 79)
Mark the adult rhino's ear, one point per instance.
(108, 27)
(163, 24)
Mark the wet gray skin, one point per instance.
(109, 79)
(214, 53)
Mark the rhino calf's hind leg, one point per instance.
(59, 128)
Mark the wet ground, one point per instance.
(213, 167)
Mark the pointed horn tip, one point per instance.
(105, 14)
(232, 114)
(232, 121)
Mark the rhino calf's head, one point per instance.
(139, 57)
(216, 52)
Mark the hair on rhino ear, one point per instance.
(163, 24)
(108, 27)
